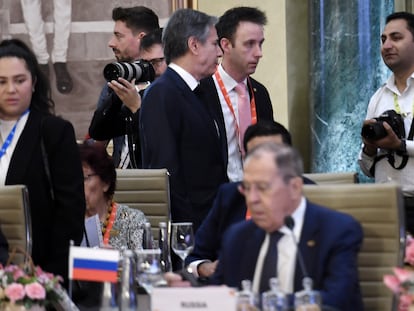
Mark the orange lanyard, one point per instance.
(227, 99)
(248, 214)
(110, 223)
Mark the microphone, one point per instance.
(290, 223)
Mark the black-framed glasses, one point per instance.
(87, 177)
(155, 62)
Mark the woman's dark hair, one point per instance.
(95, 156)
(41, 98)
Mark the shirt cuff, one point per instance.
(194, 265)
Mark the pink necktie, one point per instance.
(245, 116)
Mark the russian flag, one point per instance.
(93, 264)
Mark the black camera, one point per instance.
(141, 70)
(375, 131)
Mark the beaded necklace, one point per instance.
(108, 223)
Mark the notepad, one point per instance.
(93, 231)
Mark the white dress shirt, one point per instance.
(287, 249)
(235, 164)
(185, 75)
(5, 128)
(383, 100)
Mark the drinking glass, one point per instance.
(182, 239)
(149, 273)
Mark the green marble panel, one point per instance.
(346, 69)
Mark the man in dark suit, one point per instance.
(177, 130)
(230, 205)
(241, 35)
(329, 241)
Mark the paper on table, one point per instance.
(93, 231)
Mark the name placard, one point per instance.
(208, 298)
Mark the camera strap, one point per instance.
(390, 155)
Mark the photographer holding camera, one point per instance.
(387, 133)
(116, 116)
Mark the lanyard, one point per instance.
(227, 99)
(9, 138)
(398, 108)
(110, 223)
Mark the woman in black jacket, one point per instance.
(39, 150)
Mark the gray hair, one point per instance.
(287, 159)
(182, 25)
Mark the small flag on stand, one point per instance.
(93, 264)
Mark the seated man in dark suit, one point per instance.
(230, 206)
(328, 240)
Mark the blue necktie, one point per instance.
(270, 261)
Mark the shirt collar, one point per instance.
(390, 84)
(298, 217)
(228, 81)
(185, 75)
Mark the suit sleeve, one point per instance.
(69, 205)
(110, 118)
(340, 280)
(207, 240)
(160, 128)
(4, 249)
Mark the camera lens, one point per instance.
(141, 70)
(114, 71)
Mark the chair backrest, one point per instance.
(380, 210)
(15, 220)
(147, 190)
(333, 178)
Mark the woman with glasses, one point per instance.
(121, 226)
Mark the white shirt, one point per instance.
(235, 164)
(287, 249)
(383, 100)
(5, 128)
(185, 75)
(125, 158)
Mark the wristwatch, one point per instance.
(402, 150)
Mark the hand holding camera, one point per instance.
(387, 132)
(127, 93)
(122, 77)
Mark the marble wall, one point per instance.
(346, 68)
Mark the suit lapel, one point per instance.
(211, 101)
(197, 103)
(25, 149)
(249, 257)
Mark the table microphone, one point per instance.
(290, 223)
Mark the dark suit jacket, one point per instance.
(179, 133)
(210, 96)
(4, 249)
(228, 208)
(331, 260)
(53, 224)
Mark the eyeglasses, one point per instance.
(261, 187)
(87, 177)
(155, 62)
